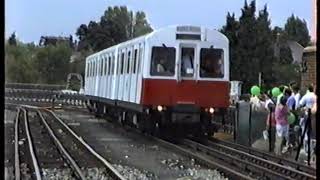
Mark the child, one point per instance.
(282, 126)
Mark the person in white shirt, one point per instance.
(187, 66)
(297, 96)
(308, 101)
(160, 66)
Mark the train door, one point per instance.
(127, 75)
(133, 85)
(121, 78)
(108, 76)
(140, 61)
(117, 81)
(96, 77)
(187, 65)
(105, 76)
(112, 76)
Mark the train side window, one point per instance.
(139, 59)
(163, 61)
(128, 62)
(211, 63)
(96, 68)
(89, 69)
(135, 61)
(101, 66)
(105, 68)
(109, 65)
(118, 65)
(93, 68)
(122, 64)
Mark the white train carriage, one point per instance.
(148, 74)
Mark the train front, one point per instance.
(186, 82)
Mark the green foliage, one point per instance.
(27, 63)
(52, 63)
(297, 30)
(116, 25)
(255, 47)
(12, 39)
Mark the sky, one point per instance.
(31, 19)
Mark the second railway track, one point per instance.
(45, 147)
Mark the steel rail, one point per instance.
(264, 155)
(277, 167)
(188, 153)
(16, 147)
(262, 171)
(72, 163)
(114, 173)
(31, 148)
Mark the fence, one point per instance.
(34, 86)
(49, 96)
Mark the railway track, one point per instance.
(232, 160)
(255, 166)
(267, 156)
(50, 142)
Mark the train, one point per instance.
(174, 79)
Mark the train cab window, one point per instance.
(163, 61)
(211, 63)
(187, 62)
(135, 61)
(128, 62)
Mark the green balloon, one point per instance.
(275, 92)
(255, 90)
(291, 118)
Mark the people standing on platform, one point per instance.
(281, 88)
(269, 106)
(297, 96)
(282, 126)
(308, 101)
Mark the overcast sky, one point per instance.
(32, 18)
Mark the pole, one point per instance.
(259, 79)
(269, 129)
(306, 126)
(250, 111)
(309, 135)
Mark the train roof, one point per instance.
(190, 29)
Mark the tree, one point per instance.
(231, 31)
(116, 25)
(12, 39)
(264, 51)
(297, 30)
(52, 63)
(247, 41)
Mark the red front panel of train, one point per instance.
(170, 92)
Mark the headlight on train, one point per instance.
(211, 110)
(160, 108)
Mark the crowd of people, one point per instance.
(287, 117)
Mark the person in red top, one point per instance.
(282, 125)
(269, 104)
